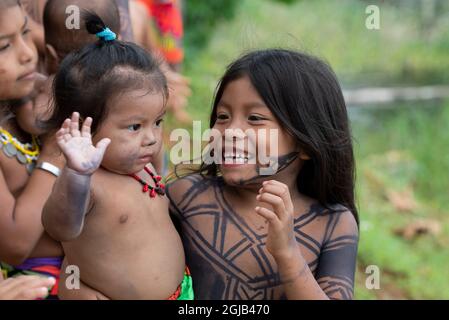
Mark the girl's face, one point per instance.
(18, 55)
(241, 107)
(30, 113)
(134, 125)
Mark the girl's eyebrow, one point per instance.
(12, 35)
(254, 104)
(223, 104)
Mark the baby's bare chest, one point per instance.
(121, 206)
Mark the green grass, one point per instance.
(398, 149)
(405, 148)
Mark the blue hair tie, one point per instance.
(106, 35)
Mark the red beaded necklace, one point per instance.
(159, 189)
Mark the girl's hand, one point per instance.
(81, 155)
(25, 288)
(281, 241)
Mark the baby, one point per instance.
(108, 206)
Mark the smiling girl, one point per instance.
(292, 234)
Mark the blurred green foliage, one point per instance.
(202, 16)
(411, 46)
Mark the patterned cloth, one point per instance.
(185, 289)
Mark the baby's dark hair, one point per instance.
(65, 40)
(89, 78)
(304, 95)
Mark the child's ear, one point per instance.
(303, 156)
(51, 59)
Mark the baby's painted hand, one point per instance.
(281, 241)
(79, 151)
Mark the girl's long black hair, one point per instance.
(88, 78)
(304, 95)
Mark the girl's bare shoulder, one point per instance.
(328, 222)
(191, 186)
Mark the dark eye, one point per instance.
(134, 127)
(25, 32)
(159, 122)
(222, 116)
(4, 47)
(255, 118)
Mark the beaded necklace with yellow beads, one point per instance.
(26, 153)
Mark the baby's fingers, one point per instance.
(102, 146)
(85, 130)
(66, 126)
(63, 133)
(75, 125)
(60, 138)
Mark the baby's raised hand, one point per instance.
(79, 151)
